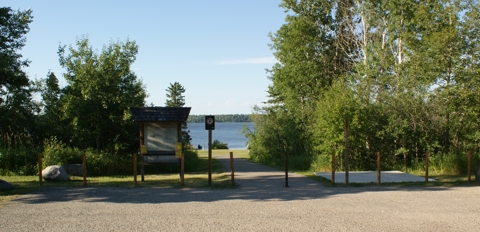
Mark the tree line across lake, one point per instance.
(221, 118)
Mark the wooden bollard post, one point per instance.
(426, 167)
(142, 165)
(182, 169)
(469, 164)
(135, 169)
(378, 168)
(40, 177)
(232, 171)
(333, 167)
(84, 169)
(346, 150)
(286, 170)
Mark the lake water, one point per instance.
(225, 132)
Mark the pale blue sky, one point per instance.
(218, 50)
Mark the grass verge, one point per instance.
(442, 179)
(195, 179)
(220, 152)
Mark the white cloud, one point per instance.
(259, 60)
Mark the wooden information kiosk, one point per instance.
(160, 134)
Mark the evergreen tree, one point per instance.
(175, 98)
(52, 120)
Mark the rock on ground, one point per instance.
(74, 169)
(5, 185)
(55, 172)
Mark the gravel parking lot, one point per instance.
(261, 203)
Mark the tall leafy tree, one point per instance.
(405, 74)
(16, 105)
(175, 98)
(307, 65)
(100, 90)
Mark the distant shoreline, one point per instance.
(221, 118)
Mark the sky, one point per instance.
(218, 50)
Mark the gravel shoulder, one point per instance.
(260, 203)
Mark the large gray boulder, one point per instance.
(55, 172)
(74, 169)
(5, 185)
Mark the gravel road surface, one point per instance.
(261, 203)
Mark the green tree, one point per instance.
(308, 63)
(404, 73)
(16, 106)
(51, 119)
(175, 98)
(100, 90)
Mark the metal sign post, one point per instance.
(210, 125)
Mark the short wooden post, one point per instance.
(346, 150)
(426, 167)
(469, 164)
(142, 143)
(84, 169)
(232, 172)
(286, 170)
(142, 167)
(40, 177)
(333, 167)
(378, 168)
(135, 169)
(182, 169)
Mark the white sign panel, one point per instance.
(161, 136)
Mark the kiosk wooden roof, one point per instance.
(160, 114)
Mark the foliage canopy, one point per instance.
(405, 74)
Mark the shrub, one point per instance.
(57, 153)
(19, 161)
(219, 145)
(104, 163)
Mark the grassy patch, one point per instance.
(27, 184)
(23, 185)
(197, 178)
(441, 180)
(236, 153)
